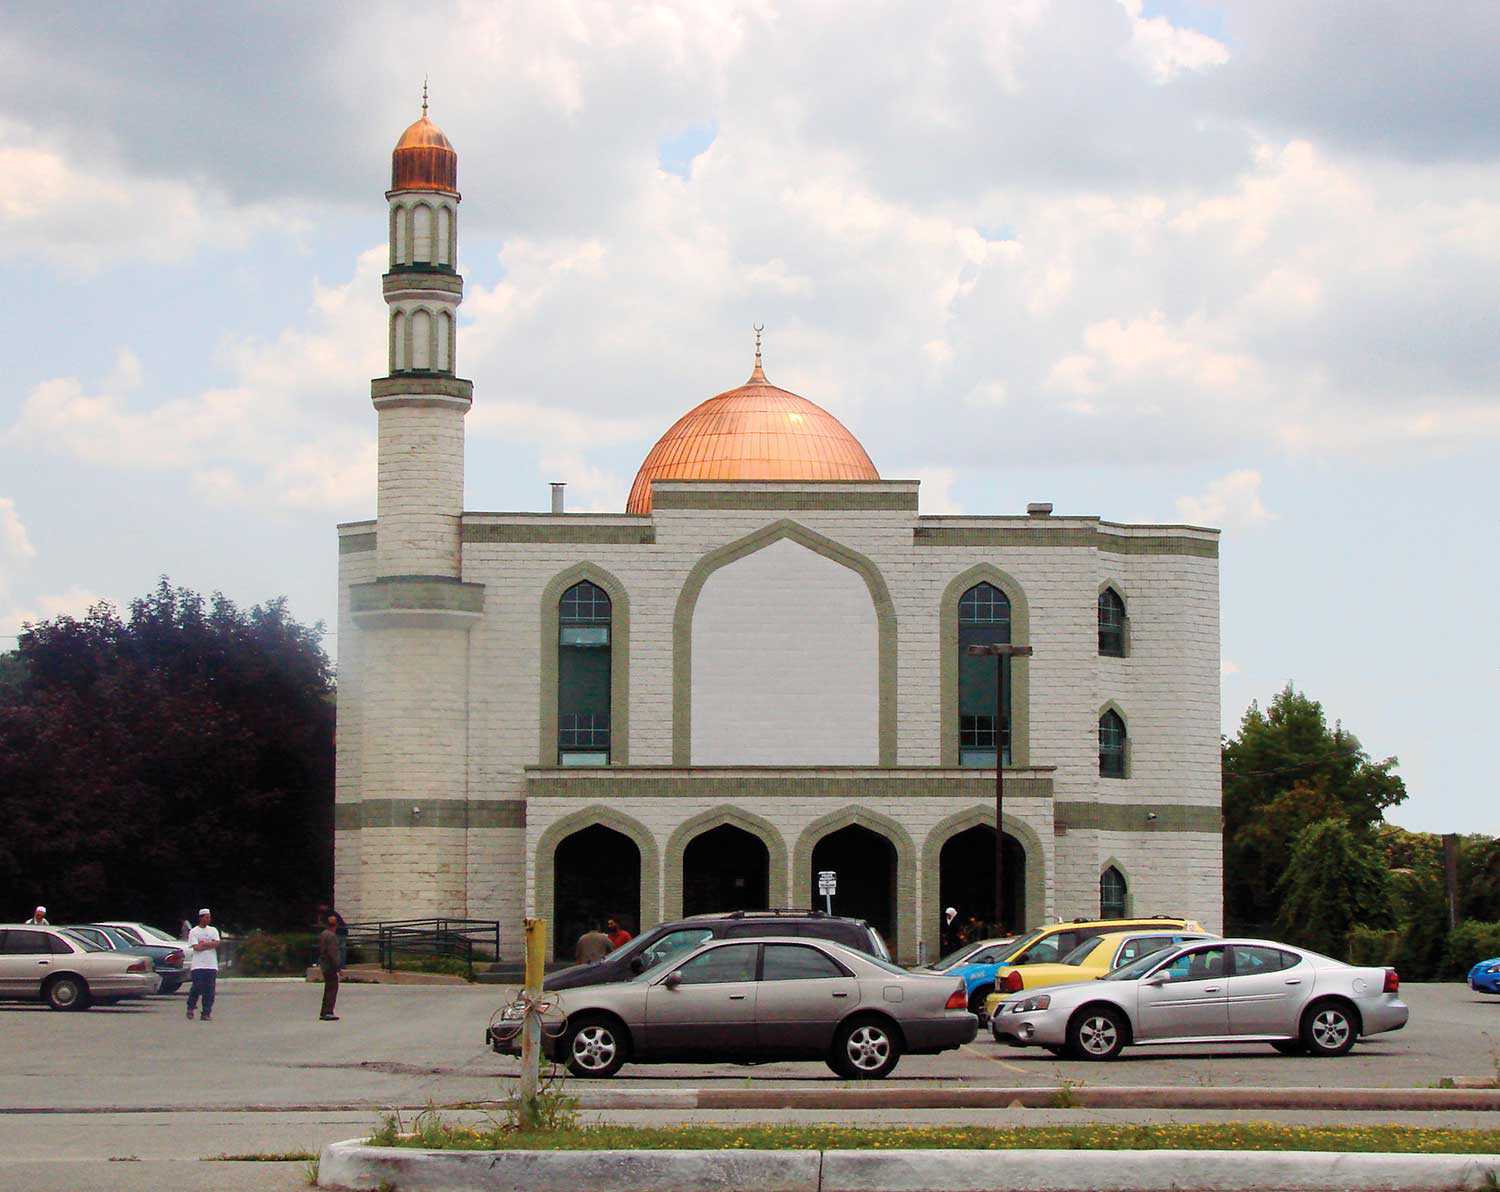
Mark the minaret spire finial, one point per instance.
(424, 97)
(756, 374)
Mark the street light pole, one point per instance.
(1000, 652)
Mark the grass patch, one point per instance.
(448, 965)
(431, 1132)
(265, 1157)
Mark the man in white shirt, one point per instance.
(39, 917)
(203, 943)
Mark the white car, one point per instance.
(1211, 991)
(46, 964)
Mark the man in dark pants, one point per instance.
(330, 960)
(203, 970)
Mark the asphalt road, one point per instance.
(136, 1096)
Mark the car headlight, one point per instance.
(1491, 968)
(513, 1012)
(1040, 1002)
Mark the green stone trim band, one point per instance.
(638, 535)
(414, 384)
(417, 277)
(905, 502)
(354, 544)
(1020, 668)
(905, 943)
(763, 830)
(1036, 908)
(416, 592)
(1133, 817)
(619, 662)
(429, 813)
(687, 602)
(666, 783)
(1076, 536)
(555, 834)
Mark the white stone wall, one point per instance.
(420, 489)
(353, 569)
(785, 663)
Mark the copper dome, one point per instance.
(755, 432)
(423, 159)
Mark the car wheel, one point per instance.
(1329, 1028)
(170, 985)
(1290, 1046)
(67, 993)
(595, 1047)
(976, 1003)
(1096, 1034)
(865, 1049)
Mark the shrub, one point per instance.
(451, 965)
(1373, 946)
(262, 954)
(1468, 944)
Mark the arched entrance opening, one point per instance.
(725, 869)
(865, 862)
(596, 875)
(966, 882)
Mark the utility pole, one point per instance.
(1000, 652)
(531, 1024)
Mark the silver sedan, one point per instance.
(755, 1001)
(1243, 991)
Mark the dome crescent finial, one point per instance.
(424, 96)
(756, 374)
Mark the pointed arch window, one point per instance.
(983, 619)
(1111, 624)
(584, 621)
(1113, 894)
(1111, 745)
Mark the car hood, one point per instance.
(578, 975)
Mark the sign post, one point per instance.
(531, 1024)
(828, 886)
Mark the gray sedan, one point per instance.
(1242, 991)
(754, 1001)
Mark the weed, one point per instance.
(264, 1157)
(310, 1173)
(1064, 1097)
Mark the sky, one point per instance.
(1226, 263)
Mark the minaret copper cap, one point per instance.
(423, 159)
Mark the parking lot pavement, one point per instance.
(408, 1045)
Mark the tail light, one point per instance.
(1012, 982)
(957, 1000)
(140, 966)
(1392, 981)
(172, 959)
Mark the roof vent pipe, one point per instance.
(557, 495)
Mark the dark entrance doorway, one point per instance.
(725, 869)
(967, 881)
(596, 875)
(865, 862)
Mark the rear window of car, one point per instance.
(26, 943)
(797, 962)
(1051, 947)
(86, 941)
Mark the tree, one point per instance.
(179, 758)
(1335, 878)
(1285, 771)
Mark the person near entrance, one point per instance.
(950, 929)
(593, 945)
(203, 942)
(618, 936)
(330, 961)
(39, 917)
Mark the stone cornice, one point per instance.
(770, 782)
(434, 601)
(417, 389)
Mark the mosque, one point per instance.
(756, 672)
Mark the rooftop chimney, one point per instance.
(1039, 509)
(557, 495)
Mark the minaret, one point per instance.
(414, 619)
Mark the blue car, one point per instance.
(1484, 977)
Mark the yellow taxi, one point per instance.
(1090, 959)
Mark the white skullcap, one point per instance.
(204, 911)
(41, 910)
(952, 910)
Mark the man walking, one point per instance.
(618, 936)
(330, 960)
(203, 943)
(39, 917)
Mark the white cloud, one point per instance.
(75, 602)
(935, 496)
(15, 542)
(1231, 502)
(1165, 49)
(1228, 667)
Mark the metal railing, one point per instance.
(451, 939)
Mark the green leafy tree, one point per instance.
(1335, 878)
(178, 757)
(1479, 878)
(1283, 772)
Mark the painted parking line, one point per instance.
(994, 1059)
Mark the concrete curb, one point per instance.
(353, 1165)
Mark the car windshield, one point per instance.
(1081, 953)
(1021, 945)
(948, 961)
(153, 935)
(1137, 969)
(884, 965)
(83, 941)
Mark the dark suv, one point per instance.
(666, 939)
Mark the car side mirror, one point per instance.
(672, 980)
(1156, 979)
(636, 966)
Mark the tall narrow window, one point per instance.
(1111, 624)
(983, 619)
(583, 676)
(1111, 745)
(1112, 894)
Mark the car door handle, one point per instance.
(736, 997)
(1294, 980)
(1212, 989)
